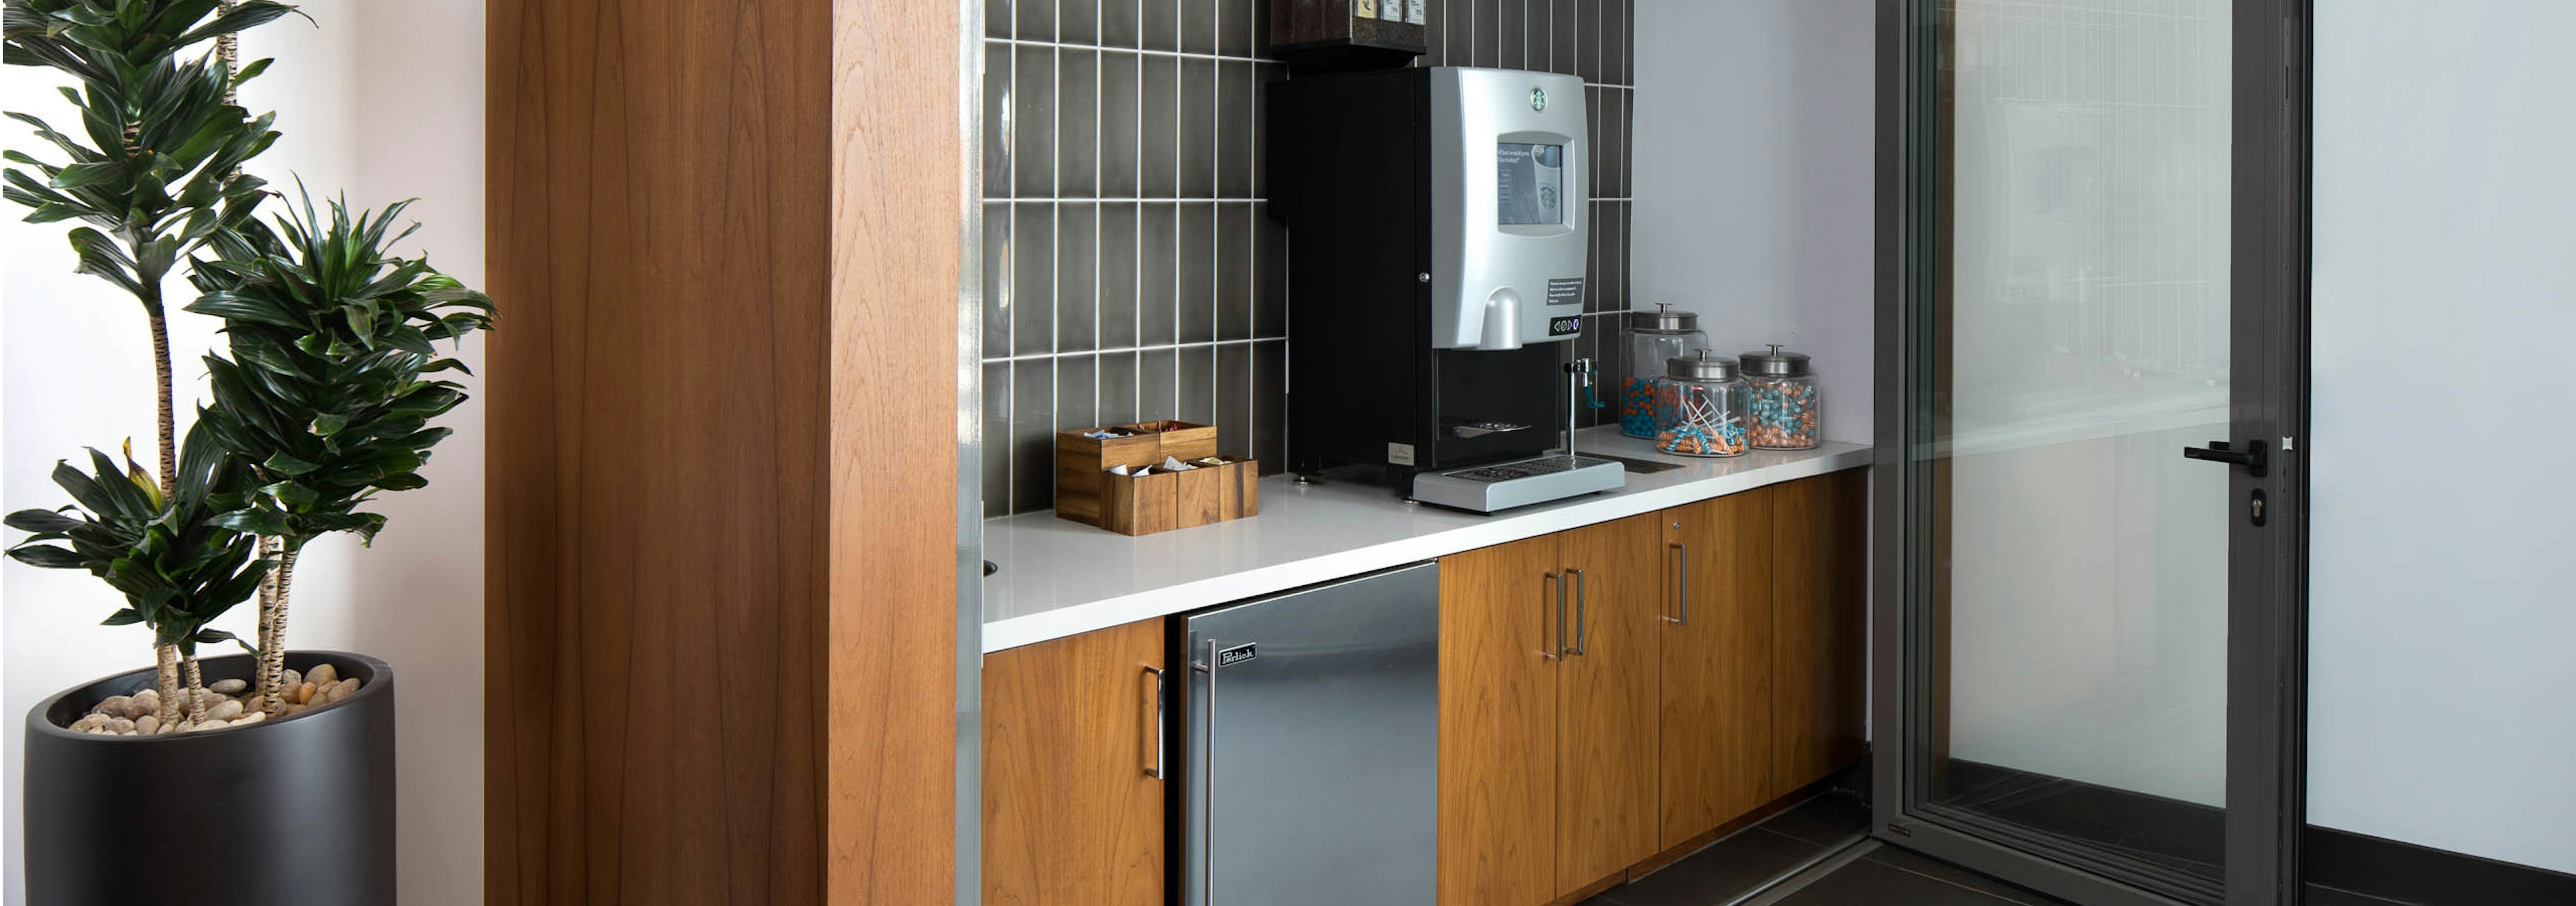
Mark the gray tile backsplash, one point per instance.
(1131, 270)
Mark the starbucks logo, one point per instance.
(1538, 99)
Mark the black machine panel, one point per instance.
(1352, 153)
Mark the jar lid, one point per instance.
(1700, 367)
(1663, 320)
(1775, 363)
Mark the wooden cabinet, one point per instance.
(1819, 602)
(1073, 804)
(1605, 693)
(1616, 691)
(1716, 690)
(1547, 712)
(1498, 715)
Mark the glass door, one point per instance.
(2090, 281)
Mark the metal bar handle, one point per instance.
(1681, 585)
(1161, 701)
(1556, 585)
(1582, 610)
(1206, 767)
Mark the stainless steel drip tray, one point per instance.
(1521, 482)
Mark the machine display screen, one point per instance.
(1531, 180)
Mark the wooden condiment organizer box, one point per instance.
(1164, 501)
(1085, 492)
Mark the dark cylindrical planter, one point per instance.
(285, 812)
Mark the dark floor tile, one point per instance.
(1830, 818)
(1870, 883)
(1928, 867)
(1724, 871)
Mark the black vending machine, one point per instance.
(1436, 250)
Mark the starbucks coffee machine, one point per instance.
(1436, 247)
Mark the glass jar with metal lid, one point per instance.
(1699, 407)
(1654, 337)
(1786, 411)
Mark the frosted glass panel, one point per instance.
(2080, 562)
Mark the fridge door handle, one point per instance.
(1206, 767)
(1162, 699)
(1582, 611)
(1556, 584)
(1681, 585)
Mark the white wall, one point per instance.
(2442, 614)
(1754, 172)
(384, 100)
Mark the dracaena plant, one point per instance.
(328, 392)
(176, 566)
(152, 171)
(155, 167)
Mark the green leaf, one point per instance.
(48, 556)
(235, 307)
(123, 617)
(53, 212)
(81, 175)
(252, 522)
(42, 522)
(238, 18)
(84, 489)
(295, 495)
(284, 463)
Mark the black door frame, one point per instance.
(2267, 582)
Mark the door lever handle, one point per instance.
(2252, 457)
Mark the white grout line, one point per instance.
(1251, 239)
(1136, 310)
(1140, 349)
(1180, 166)
(1010, 297)
(1055, 256)
(1099, 142)
(1170, 200)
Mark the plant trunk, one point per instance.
(268, 692)
(151, 298)
(272, 641)
(169, 424)
(196, 687)
(228, 49)
(167, 681)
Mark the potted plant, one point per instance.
(281, 762)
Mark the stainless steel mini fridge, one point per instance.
(1311, 772)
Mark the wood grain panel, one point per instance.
(1819, 627)
(1605, 738)
(672, 585)
(899, 191)
(1071, 816)
(1498, 714)
(1715, 723)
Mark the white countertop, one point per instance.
(1059, 578)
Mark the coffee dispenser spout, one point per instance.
(1578, 387)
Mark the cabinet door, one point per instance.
(1498, 712)
(1716, 690)
(1073, 809)
(1605, 693)
(1819, 596)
